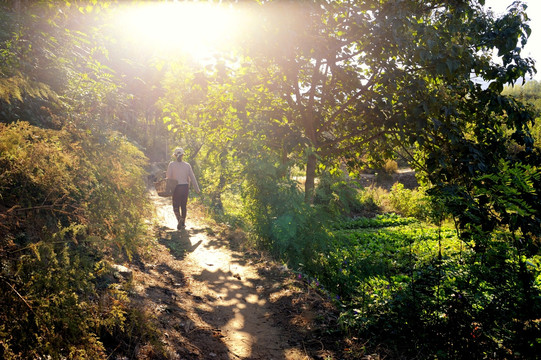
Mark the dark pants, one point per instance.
(180, 199)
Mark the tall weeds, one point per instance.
(280, 219)
(69, 203)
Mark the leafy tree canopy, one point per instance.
(346, 81)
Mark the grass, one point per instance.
(415, 288)
(420, 290)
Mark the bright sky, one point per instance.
(197, 28)
(203, 27)
(533, 48)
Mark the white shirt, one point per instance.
(183, 173)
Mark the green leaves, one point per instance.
(69, 200)
(19, 85)
(407, 282)
(512, 195)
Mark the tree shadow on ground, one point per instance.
(220, 243)
(178, 241)
(310, 318)
(218, 310)
(239, 311)
(163, 296)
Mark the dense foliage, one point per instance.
(328, 82)
(327, 87)
(423, 292)
(72, 191)
(529, 93)
(68, 204)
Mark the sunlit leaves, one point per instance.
(16, 86)
(61, 195)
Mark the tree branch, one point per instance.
(353, 98)
(24, 300)
(339, 140)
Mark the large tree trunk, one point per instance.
(310, 179)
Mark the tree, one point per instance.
(349, 76)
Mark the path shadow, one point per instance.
(308, 317)
(179, 242)
(163, 297)
(240, 308)
(220, 243)
(173, 321)
(228, 317)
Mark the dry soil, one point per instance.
(211, 300)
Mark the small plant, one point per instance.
(390, 167)
(409, 202)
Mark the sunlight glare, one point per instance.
(197, 29)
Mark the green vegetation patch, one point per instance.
(69, 203)
(380, 221)
(388, 249)
(422, 291)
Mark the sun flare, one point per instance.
(194, 28)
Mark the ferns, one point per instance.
(68, 201)
(15, 87)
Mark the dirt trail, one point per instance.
(211, 302)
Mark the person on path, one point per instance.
(182, 172)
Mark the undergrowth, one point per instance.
(401, 284)
(424, 293)
(71, 203)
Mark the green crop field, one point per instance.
(405, 282)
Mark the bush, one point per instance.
(412, 203)
(115, 200)
(390, 167)
(67, 200)
(283, 223)
(338, 196)
(375, 199)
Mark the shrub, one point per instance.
(409, 202)
(390, 167)
(115, 197)
(67, 200)
(374, 199)
(338, 196)
(281, 220)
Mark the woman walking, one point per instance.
(182, 172)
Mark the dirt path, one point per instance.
(211, 302)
